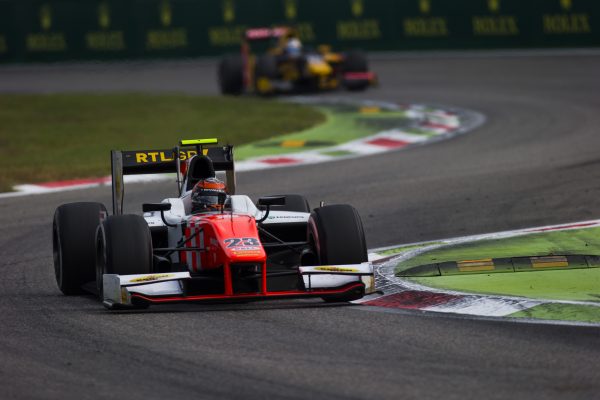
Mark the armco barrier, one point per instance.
(38, 30)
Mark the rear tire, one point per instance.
(73, 242)
(338, 238)
(231, 75)
(123, 247)
(356, 61)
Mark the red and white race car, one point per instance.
(278, 248)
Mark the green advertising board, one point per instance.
(8, 31)
(42, 30)
(104, 30)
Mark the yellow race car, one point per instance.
(286, 66)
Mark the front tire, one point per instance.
(356, 61)
(338, 238)
(123, 247)
(73, 242)
(264, 74)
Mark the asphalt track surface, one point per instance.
(534, 162)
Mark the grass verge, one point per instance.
(561, 312)
(569, 242)
(579, 284)
(339, 127)
(64, 136)
(575, 284)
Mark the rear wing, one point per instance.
(137, 162)
(265, 33)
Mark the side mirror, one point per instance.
(150, 207)
(272, 201)
(268, 202)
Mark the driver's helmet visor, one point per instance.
(294, 47)
(205, 201)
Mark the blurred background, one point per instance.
(81, 77)
(53, 30)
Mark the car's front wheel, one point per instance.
(337, 237)
(264, 74)
(73, 231)
(123, 247)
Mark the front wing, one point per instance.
(125, 291)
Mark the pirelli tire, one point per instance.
(231, 75)
(123, 247)
(73, 244)
(336, 233)
(356, 61)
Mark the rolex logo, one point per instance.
(228, 10)
(46, 17)
(104, 15)
(424, 6)
(566, 4)
(166, 14)
(494, 5)
(291, 9)
(357, 7)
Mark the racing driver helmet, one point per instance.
(293, 48)
(205, 195)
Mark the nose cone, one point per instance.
(239, 238)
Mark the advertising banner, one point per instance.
(48, 30)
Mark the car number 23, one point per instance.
(233, 243)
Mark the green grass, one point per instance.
(575, 241)
(339, 127)
(578, 284)
(562, 312)
(63, 136)
(575, 284)
(337, 153)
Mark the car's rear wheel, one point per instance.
(337, 236)
(356, 61)
(73, 244)
(123, 247)
(231, 75)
